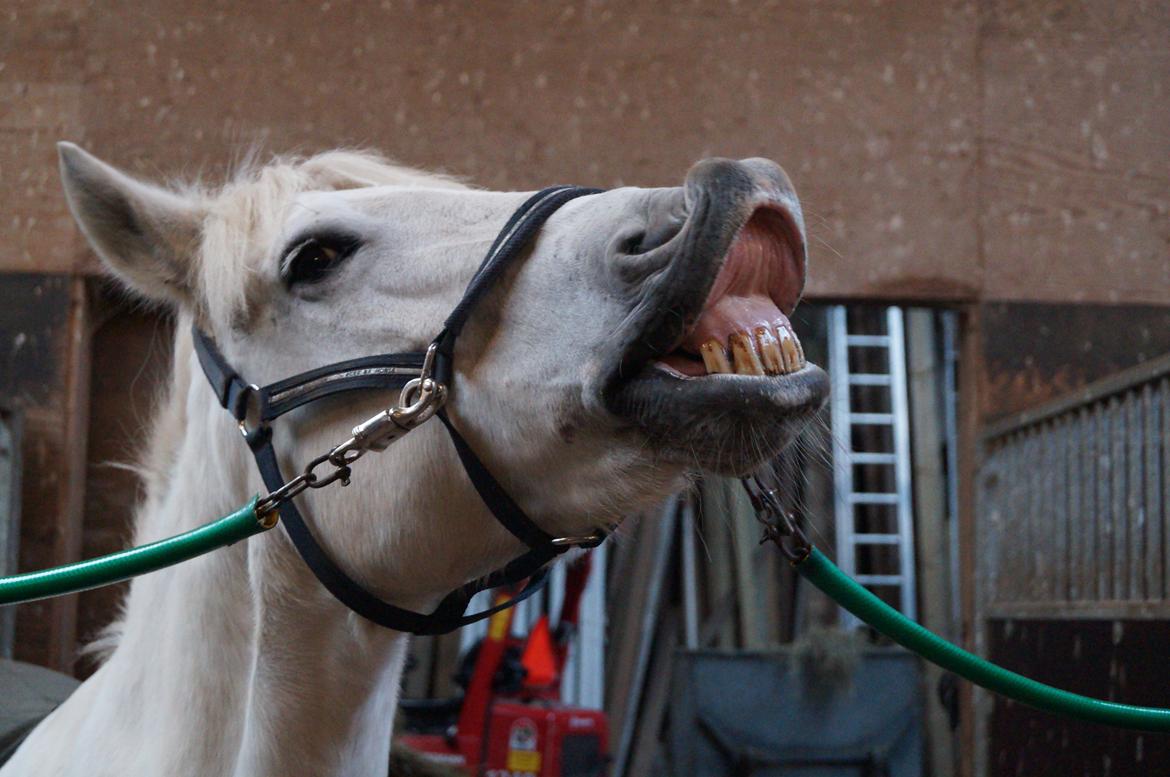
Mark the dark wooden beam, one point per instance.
(70, 486)
(971, 363)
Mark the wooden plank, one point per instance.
(1076, 512)
(930, 512)
(1117, 383)
(750, 602)
(1135, 515)
(652, 715)
(1044, 537)
(1089, 610)
(62, 647)
(1103, 477)
(631, 659)
(1024, 572)
(1015, 534)
(1018, 541)
(1152, 480)
(1067, 124)
(971, 374)
(720, 570)
(992, 489)
(1164, 469)
(1058, 462)
(1015, 529)
(1089, 482)
(996, 553)
(1118, 515)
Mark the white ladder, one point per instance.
(888, 384)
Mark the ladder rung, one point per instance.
(861, 457)
(872, 419)
(877, 539)
(868, 341)
(869, 379)
(879, 579)
(873, 499)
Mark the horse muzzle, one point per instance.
(708, 355)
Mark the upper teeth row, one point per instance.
(764, 351)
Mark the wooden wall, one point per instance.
(945, 150)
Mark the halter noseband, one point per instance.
(415, 374)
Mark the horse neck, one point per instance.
(236, 662)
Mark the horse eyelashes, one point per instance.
(313, 259)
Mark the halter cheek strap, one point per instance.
(254, 408)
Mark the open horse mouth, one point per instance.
(710, 367)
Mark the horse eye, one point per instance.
(310, 261)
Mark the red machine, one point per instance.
(510, 722)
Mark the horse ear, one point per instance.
(148, 236)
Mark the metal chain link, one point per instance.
(779, 525)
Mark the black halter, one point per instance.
(252, 404)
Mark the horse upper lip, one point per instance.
(721, 197)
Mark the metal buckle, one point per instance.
(591, 540)
(250, 404)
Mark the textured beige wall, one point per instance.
(944, 150)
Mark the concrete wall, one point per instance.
(944, 150)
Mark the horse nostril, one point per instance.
(654, 236)
(632, 245)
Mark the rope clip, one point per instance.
(780, 526)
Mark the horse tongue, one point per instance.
(733, 313)
(741, 328)
(742, 297)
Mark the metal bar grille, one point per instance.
(1074, 499)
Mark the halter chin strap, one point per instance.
(255, 407)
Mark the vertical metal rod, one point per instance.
(900, 406)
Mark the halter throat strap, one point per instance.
(254, 408)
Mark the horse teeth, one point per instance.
(743, 354)
(714, 357)
(760, 352)
(793, 357)
(769, 348)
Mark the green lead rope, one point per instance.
(825, 575)
(126, 564)
(814, 567)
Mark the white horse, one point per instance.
(582, 381)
